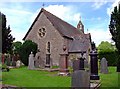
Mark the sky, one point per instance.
(94, 14)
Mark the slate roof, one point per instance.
(64, 28)
(80, 43)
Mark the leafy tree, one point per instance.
(107, 50)
(16, 46)
(114, 28)
(105, 46)
(7, 38)
(24, 51)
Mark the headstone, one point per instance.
(94, 65)
(8, 60)
(37, 59)
(18, 63)
(76, 65)
(14, 60)
(63, 64)
(3, 58)
(70, 64)
(80, 79)
(31, 61)
(103, 66)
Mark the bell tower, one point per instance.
(80, 26)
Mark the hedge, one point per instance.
(111, 57)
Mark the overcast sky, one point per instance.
(94, 15)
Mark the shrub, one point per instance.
(5, 68)
(111, 57)
(24, 51)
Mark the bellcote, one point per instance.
(80, 26)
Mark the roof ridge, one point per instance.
(71, 30)
(56, 17)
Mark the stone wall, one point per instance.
(51, 35)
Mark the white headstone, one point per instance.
(31, 61)
(103, 66)
(18, 63)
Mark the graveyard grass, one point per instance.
(32, 78)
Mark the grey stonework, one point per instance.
(58, 33)
(80, 80)
(56, 40)
(31, 61)
(103, 66)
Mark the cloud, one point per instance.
(99, 35)
(18, 19)
(66, 13)
(98, 3)
(111, 8)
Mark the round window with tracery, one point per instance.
(41, 32)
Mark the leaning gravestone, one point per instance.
(80, 79)
(31, 61)
(103, 66)
(76, 65)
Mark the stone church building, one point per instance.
(55, 36)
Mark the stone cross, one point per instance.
(103, 66)
(31, 61)
(80, 80)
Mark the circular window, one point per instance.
(41, 32)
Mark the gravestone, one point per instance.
(8, 60)
(37, 59)
(18, 63)
(31, 61)
(103, 66)
(80, 79)
(76, 65)
(14, 60)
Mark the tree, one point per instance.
(107, 50)
(16, 46)
(114, 28)
(7, 38)
(105, 46)
(24, 51)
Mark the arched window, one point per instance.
(48, 47)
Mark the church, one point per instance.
(55, 36)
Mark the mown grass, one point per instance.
(111, 79)
(32, 78)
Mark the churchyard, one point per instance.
(78, 76)
(53, 56)
(23, 77)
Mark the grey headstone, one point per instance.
(31, 61)
(103, 66)
(76, 65)
(80, 79)
(37, 59)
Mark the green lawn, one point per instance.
(33, 78)
(111, 79)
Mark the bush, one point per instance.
(5, 68)
(111, 57)
(24, 51)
